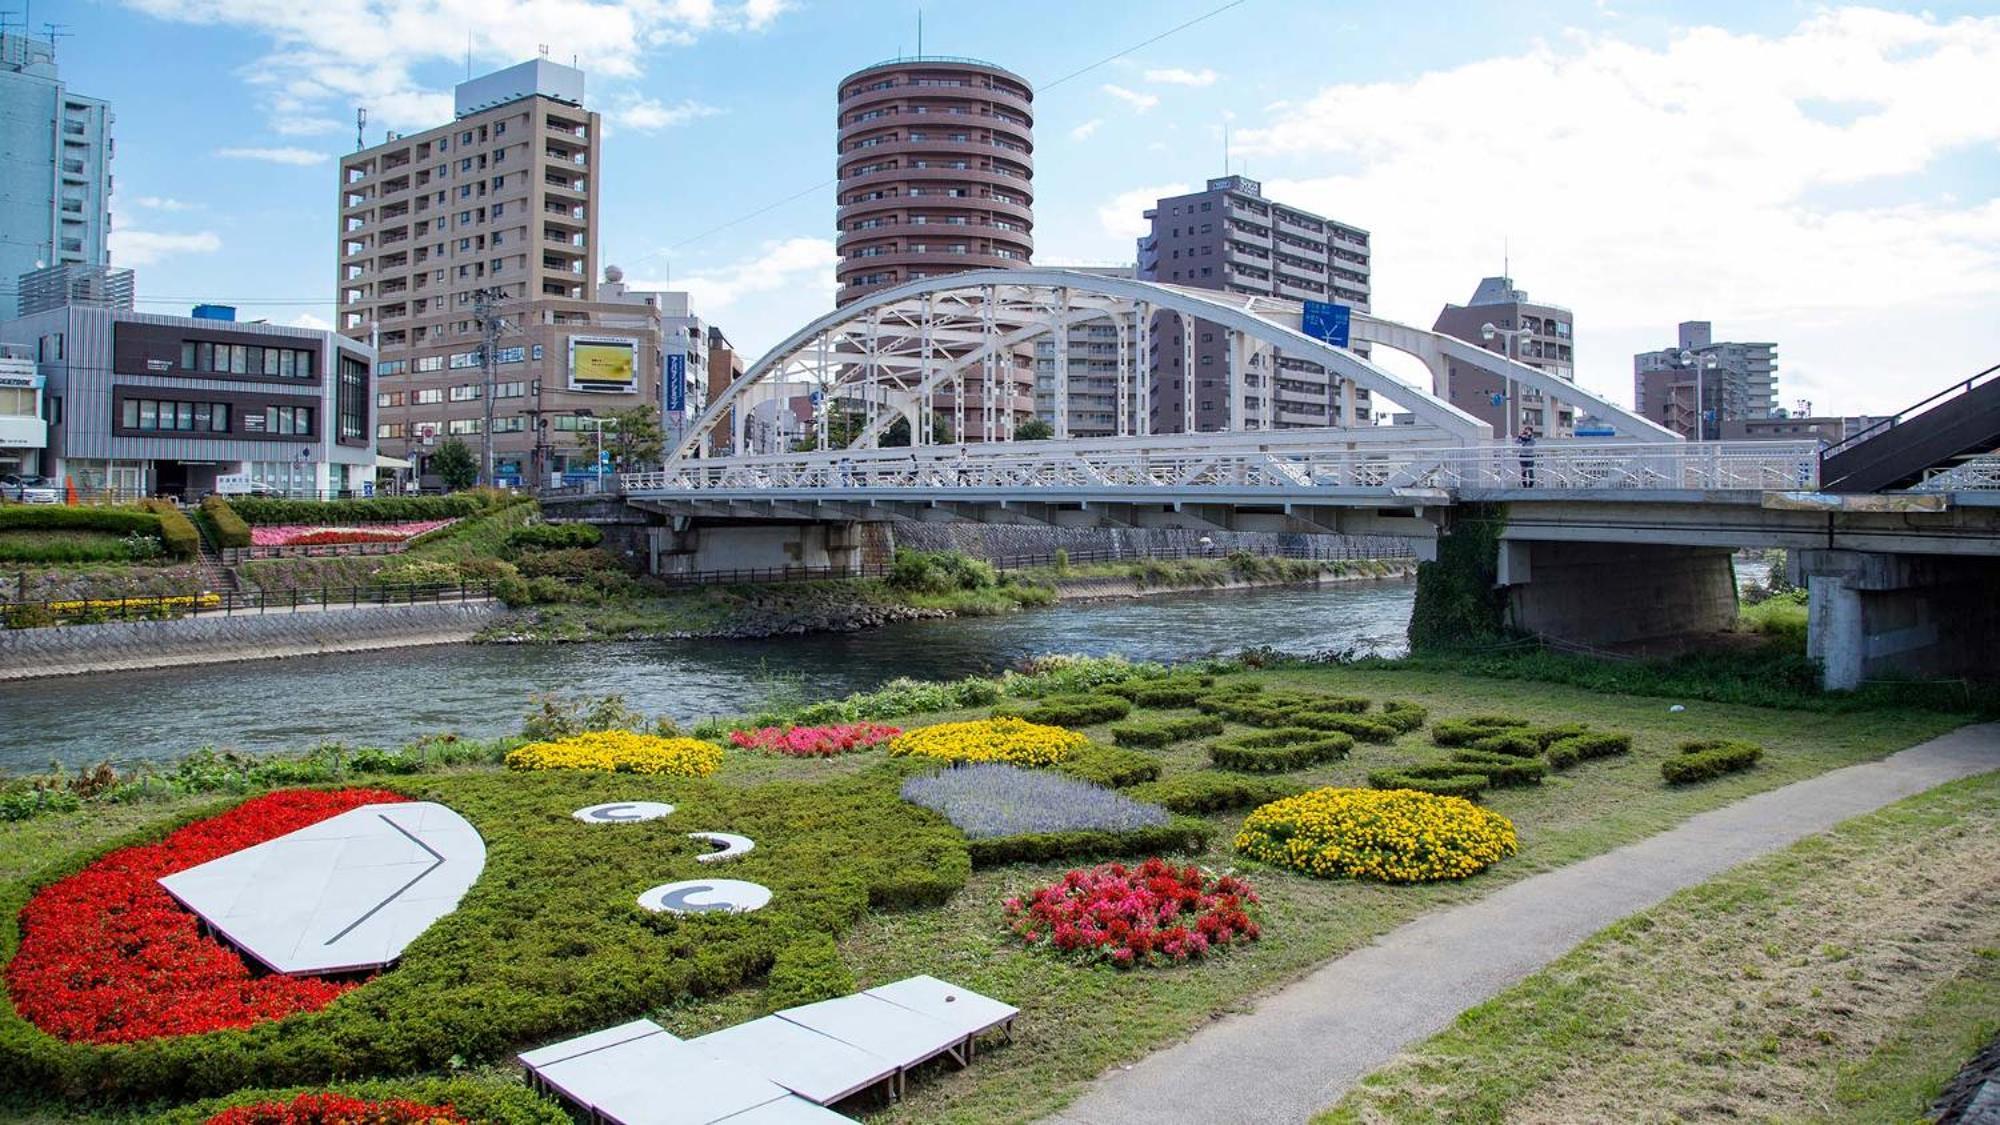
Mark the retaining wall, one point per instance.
(212, 639)
(986, 541)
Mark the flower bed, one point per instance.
(1394, 835)
(815, 742)
(108, 956)
(319, 535)
(989, 799)
(1152, 914)
(620, 751)
(338, 1109)
(1004, 739)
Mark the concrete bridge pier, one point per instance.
(1610, 594)
(688, 546)
(1874, 615)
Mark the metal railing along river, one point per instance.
(166, 607)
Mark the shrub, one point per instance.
(807, 971)
(230, 529)
(338, 1109)
(1154, 914)
(1162, 692)
(1548, 736)
(1518, 743)
(378, 509)
(553, 716)
(898, 697)
(488, 1103)
(1396, 836)
(1443, 779)
(1073, 710)
(1005, 739)
(1061, 674)
(176, 530)
(1207, 791)
(1275, 751)
(554, 536)
(814, 742)
(1182, 834)
(1700, 761)
(1503, 771)
(1164, 732)
(1110, 766)
(620, 751)
(1367, 728)
(1464, 732)
(569, 562)
(1404, 715)
(57, 517)
(989, 800)
(1567, 752)
(943, 572)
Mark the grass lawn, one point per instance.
(1846, 978)
(1077, 1022)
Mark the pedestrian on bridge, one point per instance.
(1526, 444)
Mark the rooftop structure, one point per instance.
(1539, 335)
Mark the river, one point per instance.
(387, 698)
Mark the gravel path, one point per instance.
(1301, 1048)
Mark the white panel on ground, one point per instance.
(785, 1111)
(658, 1080)
(702, 896)
(351, 892)
(878, 1027)
(962, 1009)
(798, 1058)
(623, 812)
(728, 846)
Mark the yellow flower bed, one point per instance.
(620, 751)
(139, 603)
(1394, 835)
(991, 740)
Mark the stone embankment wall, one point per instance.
(990, 541)
(212, 639)
(1115, 588)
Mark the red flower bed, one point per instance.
(338, 1109)
(1152, 914)
(815, 742)
(108, 956)
(337, 535)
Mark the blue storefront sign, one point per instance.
(1325, 321)
(676, 383)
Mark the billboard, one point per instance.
(604, 363)
(676, 383)
(1324, 321)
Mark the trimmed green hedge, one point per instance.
(1071, 710)
(807, 971)
(1550, 735)
(1110, 766)
(1503, 770)
(550, 942)
(554, 536)
(1700, 761)
(1404, 715)
(1173, 684)
(1182, 834)
(1566, 752)
(230, 529)
(176, 530)
(1276, 751)
(1464, 732)
(376, 509)
(487, 1103)
(1367, 728)
(1207, 791)
(59, 517)
(1444, 779)
(1516, 743)
(1164, 732)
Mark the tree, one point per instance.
(455, 465)
(1034, 429)
(634, 436)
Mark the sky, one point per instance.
(1826, 177)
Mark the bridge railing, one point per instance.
(1234, 462)
(1980, 474)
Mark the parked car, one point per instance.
(29, 489)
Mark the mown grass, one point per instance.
(1078, 1022)
(1844, 979)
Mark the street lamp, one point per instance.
(585, 415)
(1700, 362)
(1489, 332)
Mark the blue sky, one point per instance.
(1821, 176)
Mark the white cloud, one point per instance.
(131, 247)
(1135, 99)
(324, 59)
(298, 156)
(794, 264)
(1123, 215)
(308, 320)
(1176, 76)
(1082, 132)
(1772, 184)
(157, 203)
(646, 115)
(306, 126)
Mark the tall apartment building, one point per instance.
(1229, 237)
(55, 166)
(1546, 340)
(73, 284)
(497, 209)
(936, 176)
(1735, 381)
(1092, 352)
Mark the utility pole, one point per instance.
(484, 311)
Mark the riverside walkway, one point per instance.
(1301, 1048)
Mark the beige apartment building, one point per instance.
(495, 213)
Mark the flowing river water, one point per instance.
(387, 698)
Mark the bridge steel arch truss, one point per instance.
(947, 345)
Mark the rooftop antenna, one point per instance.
(920, 31)
(360, 127)
(53, 32)
(1506, 270)
(1225, 147)
(545, 50)
(468, 54)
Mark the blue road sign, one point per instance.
(1325, 321)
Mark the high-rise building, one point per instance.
(1093, 353)
(71, 284)
(1734, 381)
(936, 176)
(1229, 237)
(1540, 335)
(55, 166)
(493, 218)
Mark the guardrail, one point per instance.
(167, 607)
(233, 555)
(1980, 474)
(1241, 461)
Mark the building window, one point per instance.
(291, 420)
(392, 430)
(153, 414)
(246, 359)
(463, 426)
(429, 396)
(465, 392)
(351, 399)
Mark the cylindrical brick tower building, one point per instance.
(936, 171)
